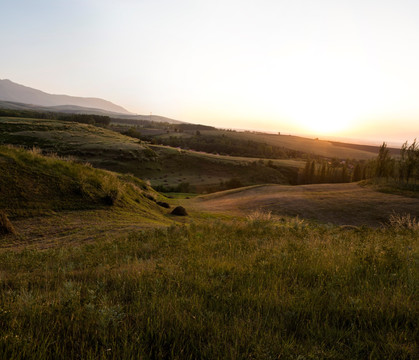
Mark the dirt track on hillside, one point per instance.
(341, 204)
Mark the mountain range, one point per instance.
(19, 97)
(12, 92)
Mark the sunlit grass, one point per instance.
(260, 289)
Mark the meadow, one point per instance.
(253, 288)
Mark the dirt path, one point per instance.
(341, 204)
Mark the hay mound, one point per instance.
(179, 211)
(6, 226)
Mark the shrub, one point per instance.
(405, 221)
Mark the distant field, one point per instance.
(330, 149)
(317, 147)
(341, 204)
(204, 170)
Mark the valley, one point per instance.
(97, 266)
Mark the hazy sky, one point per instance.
(338, 67)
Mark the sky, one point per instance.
(324, 68)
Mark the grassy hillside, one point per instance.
(206, 171)
(160, 165)
(33, 184)
(87, 142)
(258, 289)
(340, 204)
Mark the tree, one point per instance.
(382, 168)
(409, 161)
(357, 174)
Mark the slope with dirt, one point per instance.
(341, 204)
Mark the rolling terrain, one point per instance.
(338, 204)
(96, 268)
(309, 146)
(161, 165)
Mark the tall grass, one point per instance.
(258, 289)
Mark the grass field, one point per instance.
(254, 289)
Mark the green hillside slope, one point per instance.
(32, 184)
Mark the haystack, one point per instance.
(6, 226)
(179, 211)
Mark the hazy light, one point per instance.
(345, 68)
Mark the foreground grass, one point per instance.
(257, 289)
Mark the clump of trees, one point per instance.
(403, 170)
(335, 171)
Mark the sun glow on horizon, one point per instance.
(333, 68)
(324, 123)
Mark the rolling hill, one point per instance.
(310, 146)
(339, 204)
(162, 165)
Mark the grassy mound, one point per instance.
(32, 184)
(257, 289)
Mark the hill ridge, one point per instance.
(13, 92)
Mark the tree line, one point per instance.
(402, 171)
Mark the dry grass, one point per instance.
(259, 215)
(340, 204)
(404, 221)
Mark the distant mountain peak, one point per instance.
(13, 92)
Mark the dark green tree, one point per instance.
(383, 162)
